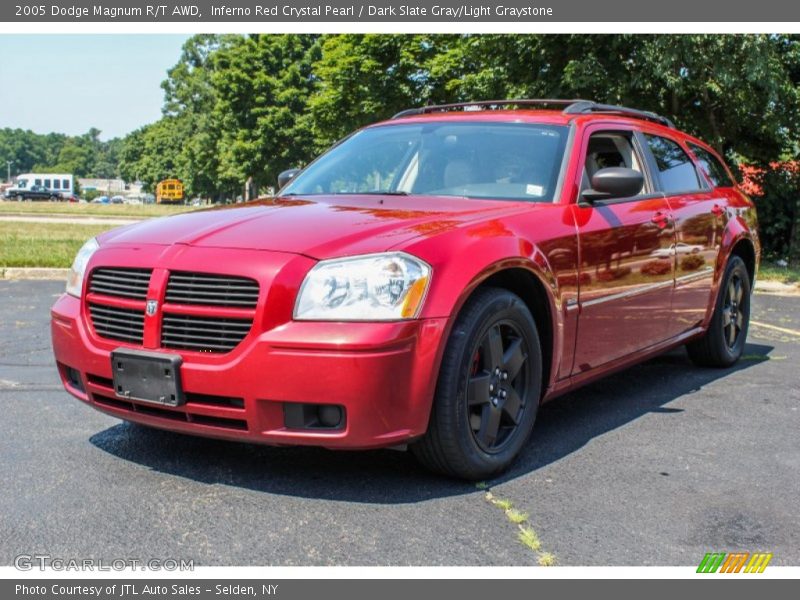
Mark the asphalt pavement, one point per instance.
(656, 465)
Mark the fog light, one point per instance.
(329, 415)
(300, 415)
(74, 379)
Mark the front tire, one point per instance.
(488, 390)
(723, 343)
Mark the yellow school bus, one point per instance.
(169, 191)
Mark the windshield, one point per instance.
(509, 161)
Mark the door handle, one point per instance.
(717, 210)
(661, 219)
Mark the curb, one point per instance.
(34, 273)
(777, 288)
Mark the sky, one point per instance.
(70, 83)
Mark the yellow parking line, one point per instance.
(776, 328)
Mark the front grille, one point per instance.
(115, 323)
(234, 297)
(212, 290)
(203, 334)
(123, 283)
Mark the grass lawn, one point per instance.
(769, 271)
(43, 244)
(90, 210)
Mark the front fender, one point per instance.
(465, 258)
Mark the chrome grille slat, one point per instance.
(175, 330)
(212, 279)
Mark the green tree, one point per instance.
(262, 84)
(363, 78)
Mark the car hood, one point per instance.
(318, 226)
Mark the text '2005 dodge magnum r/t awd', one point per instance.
(430, 280)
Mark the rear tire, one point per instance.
(488, 390)
(723, 343)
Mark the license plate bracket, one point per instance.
(143, 376)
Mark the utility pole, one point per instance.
(8, 167)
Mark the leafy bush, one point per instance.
(659, 266)
(775, 188)
(613, 274)
(571, 280)
(692, 262)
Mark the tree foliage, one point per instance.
(84, 156)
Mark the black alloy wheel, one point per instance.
(723, 342)
(496, 387)
(732, 315)
(488, 389)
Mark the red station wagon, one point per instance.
(429, 281)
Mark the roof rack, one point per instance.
(583, 107)
(571, 107)
(486, 104)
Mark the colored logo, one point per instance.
(152, 307)
(734, 562)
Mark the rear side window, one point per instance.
(712, 167)
(675, 169)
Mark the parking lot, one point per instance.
(656, 465)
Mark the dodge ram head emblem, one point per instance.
(152, 306)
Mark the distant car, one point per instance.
(101, 200)
(117, 200)
(35, 192)
(679, 248)
(72, 198)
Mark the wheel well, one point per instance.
(527, 286)
(744, 249)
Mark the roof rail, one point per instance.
(571, 107)
(586, 106)
(486, 104)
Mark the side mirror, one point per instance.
(614, 182)
(286, 176)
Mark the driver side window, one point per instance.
(610, 149)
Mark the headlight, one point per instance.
(374, 287)
(78, 268)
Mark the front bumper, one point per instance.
(382, 374)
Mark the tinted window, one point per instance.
(474, 160)
(47, 183)
(56, 184)
(675, 168)
(65, 184)
(712, 167)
